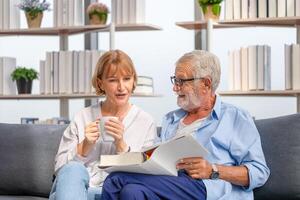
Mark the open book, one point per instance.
(158, 160)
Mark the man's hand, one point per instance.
(196, 167)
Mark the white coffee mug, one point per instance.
(106, 137)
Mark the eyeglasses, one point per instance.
(179, 81)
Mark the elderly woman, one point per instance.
(76, 164)
(236, 163)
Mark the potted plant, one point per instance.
(34, 11)
(97, 13)
(24, 77)
(211, 8)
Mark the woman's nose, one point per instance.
(121, 85)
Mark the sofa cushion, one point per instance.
(27, 155)
(281, 144)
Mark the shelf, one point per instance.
(294, 93)
(72, 30)
(272, 22)
(63, 96)
(195, 25)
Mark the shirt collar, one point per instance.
(216, 111)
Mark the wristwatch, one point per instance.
(215, 172)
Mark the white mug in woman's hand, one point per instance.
(106, 136)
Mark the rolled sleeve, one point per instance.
(247, 151)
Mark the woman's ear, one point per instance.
(99, 83)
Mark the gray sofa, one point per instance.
(27, 155)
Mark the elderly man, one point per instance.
(236, 163)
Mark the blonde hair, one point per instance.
(110, 63)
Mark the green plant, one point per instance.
(216, 8)
(99, 9)
(24, 73)
(33, 7)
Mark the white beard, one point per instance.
(189, 102)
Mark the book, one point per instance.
(159, 159)
(129, 158)
(281, 8)
(244, 68)
(272, 8)
(262, 8)
(288, 66)
(290, 8)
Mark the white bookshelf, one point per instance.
(290, 22)
(63, 33)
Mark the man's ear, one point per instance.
(207, 82)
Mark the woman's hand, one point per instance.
(91, 135)
(91, 132)
(115, 128)
(196, 167)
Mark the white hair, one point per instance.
(204, 64)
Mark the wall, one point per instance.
(154, 53)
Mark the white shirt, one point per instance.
(140, 132)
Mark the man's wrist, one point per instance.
(215, 172)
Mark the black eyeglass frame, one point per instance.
(180, 81)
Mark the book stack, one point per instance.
(144, 85)
(9, 14)
(68, 13)
(250, 68)
(128, 11)
(249, 9)
(7, 66)
(292, 66)
(68, 72)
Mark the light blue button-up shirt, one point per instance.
(232, 139)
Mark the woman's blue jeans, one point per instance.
(72, 182)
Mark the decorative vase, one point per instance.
(34, 19)
(97, 18)
(211, 11)
(23, 86)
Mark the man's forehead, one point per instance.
(185, 68)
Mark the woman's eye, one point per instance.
(112, 80)
(127, 78)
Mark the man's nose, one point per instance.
(176, 87)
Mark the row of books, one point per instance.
(144, 85)
(9, 14)
(128, 11)
(292, 66)
(7, 66)
(244, 9)
(250, 68)
(68, 13)
(68, 72)
(35, 120)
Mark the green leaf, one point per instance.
(25, 73)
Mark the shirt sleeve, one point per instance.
(151, 136)
(67, 150)
(247, 150)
